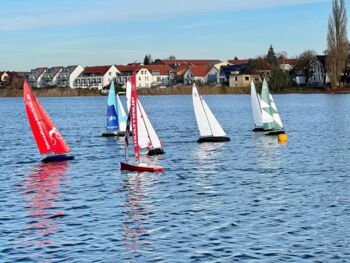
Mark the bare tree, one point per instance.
(304, 64)
(337, 42)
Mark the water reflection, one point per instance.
(268, 152)
(41, 191)
(135, 235)
(205, 152)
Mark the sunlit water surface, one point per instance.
(247, 200)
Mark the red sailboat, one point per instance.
(134, 119)
(47, 137)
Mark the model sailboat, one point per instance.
(47, 137)
(209, 128)
(256, 108)
(140, 135)
(149, 138)
(271, 119)
(116, 117)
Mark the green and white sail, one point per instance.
(278, 125)
(266, 108)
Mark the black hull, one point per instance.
(259, 129)
(157, 151)
(113, 134)
(273, 133)
(57, 158)
(214, 139)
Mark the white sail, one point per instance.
(122, 118)
(143, 138)
(151, 135)
(128, 95)
(257, 114)
(206, 121)
(276, 116)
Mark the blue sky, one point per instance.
(38, 33)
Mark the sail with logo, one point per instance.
(47, 137)
(116, 117)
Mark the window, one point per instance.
(158, 79)
(140, 78)
(236, 78)
(110, 73)
(246, 78)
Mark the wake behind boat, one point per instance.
(116, 117)
(209, 128)
(47, 137)
(137, 119)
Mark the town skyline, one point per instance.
(58, 33)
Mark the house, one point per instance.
(175, 63)
(287, 64)
(36, 76)
(125, 72)
(96, 77)
(50, 76)
(317, 72)
(67, 76)
(226, 71)
(241, 80)
(4, 77)
(201, 74)
(154, 75)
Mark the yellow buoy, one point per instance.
(282, 138)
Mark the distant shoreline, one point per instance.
(176, 90)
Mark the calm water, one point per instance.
(248, 200)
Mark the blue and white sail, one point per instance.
(122, 118)
(112, 117)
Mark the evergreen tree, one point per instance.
(271, 56)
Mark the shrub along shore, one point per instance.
(175, 90)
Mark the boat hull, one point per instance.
(157, 151)
(273, 133)
(113, 134)
(213, 139)
(140, 167)
(258, 129)
(57, 158)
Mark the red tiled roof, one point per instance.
(163, 69)
(238, 61)
(122, 68)
(98, 70)
(200, 71)
(180, 71)
(199, 62)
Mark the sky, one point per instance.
(36, 33)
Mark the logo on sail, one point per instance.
(55, 132)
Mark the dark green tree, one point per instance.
(279, 79)
(147, 60)
(271, 56)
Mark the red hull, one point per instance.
(140, 167)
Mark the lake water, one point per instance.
(247, 200)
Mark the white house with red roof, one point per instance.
(96, 77)
(201, 74)
(154, 75)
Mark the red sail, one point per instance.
(133, 114)
(46, 135)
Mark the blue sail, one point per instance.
(112, 118)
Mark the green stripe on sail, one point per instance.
(265, 97)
